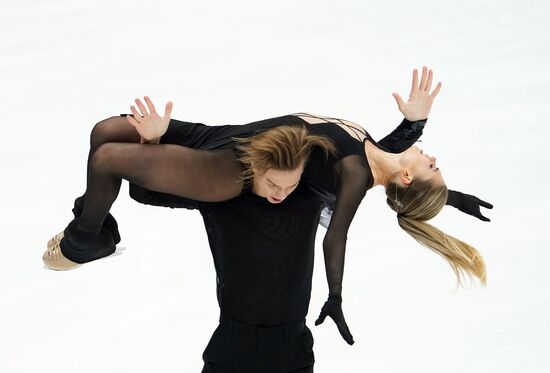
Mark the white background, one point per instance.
(66, 65)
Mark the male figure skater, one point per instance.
(263, 254)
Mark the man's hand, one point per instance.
(149, 124)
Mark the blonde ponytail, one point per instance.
(421, 201)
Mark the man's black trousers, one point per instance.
(236, 347)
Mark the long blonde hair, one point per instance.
(283, 148)
(421, 201)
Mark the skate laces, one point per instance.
(54, 249)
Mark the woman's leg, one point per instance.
(202, 175)
(114, 129)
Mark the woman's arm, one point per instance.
(404, 136)
(351, 188)
(418, 106)
(415, 111)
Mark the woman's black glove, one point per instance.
(468, 204)
(333, 308)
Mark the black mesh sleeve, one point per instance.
(404, 136)
(351, 189)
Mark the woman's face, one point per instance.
(420, 165)
(276, 185)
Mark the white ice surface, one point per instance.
(65, 65)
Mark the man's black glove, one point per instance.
(468, 204)
(333, 308)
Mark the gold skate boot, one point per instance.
(55, 239)
(53, 257)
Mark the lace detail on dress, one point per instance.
(355, 130)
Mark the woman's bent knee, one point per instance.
(104, 155)
(113, 129)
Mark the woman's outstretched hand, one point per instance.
(420, 99)
(333, 309)
(149, 124)
(468, 204)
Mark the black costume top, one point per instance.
(341, 180)
(263, 254)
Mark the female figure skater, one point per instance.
(207, 168)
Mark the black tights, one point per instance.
(116, 154)
(115, 129)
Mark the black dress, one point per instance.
(341, 180)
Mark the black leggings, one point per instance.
(116, 154)
(236, 347)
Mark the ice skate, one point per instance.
(55, 239)
(53, 257)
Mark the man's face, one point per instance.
(276, 185)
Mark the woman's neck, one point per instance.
(382, 164)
